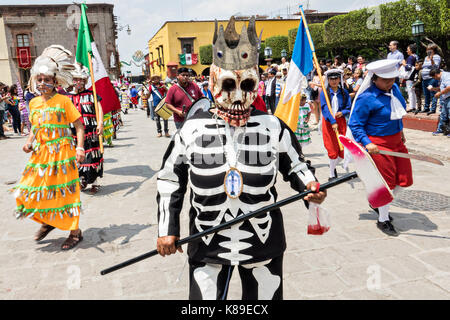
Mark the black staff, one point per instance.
(230, 223)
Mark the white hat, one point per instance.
(332, 72)
(386, 69)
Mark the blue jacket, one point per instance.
(133, 92)
(344, 107)
(371, 115)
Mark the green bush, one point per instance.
(356, 31)
(292, 34)
(445, 17)
(277, 43)
(351, 30)
(206, 55)
(316, 31)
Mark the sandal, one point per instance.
(43, 232)
(83, 184)
(94, 188)
(72, 241)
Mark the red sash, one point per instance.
(396, 171)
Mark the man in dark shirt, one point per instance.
(182, 94)
(270, 91)
(158, 91)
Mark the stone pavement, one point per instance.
(354, 260)
(422, 142)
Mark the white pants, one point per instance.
(411, 95)
(259, 281)
(384, 210)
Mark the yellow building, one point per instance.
(176, 36)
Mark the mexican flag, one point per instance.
(86, 46)
(187, 59)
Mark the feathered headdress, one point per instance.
(80, 71)
(54, 61)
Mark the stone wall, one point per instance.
(58, 24)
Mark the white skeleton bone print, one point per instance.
(196, 158)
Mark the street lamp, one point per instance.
(418, 30)
(283, 53)
(268, 54)
(120, 28)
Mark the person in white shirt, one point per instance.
(395, 54)
(284, 64)
(278, 87)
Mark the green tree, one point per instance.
(277, 43)
(316, 31)
(376, 27)
(206, 55)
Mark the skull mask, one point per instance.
(234, 72)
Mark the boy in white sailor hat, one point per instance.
(334, 121)
(376, 123)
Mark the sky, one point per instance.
(145, 17)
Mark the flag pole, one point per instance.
(97, 114)
(319, 72)
(241, 218)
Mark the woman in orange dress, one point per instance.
(49, 191)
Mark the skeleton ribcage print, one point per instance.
(196, 157)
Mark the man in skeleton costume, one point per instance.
(92, 167)
(229, 156)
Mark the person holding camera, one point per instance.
(444, 94)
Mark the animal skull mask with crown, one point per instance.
(234, 74)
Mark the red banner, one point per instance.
(194, 58)
(24, 57)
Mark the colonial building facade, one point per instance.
(177, 38)
(26, 30)
(186, 37)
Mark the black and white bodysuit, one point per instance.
(195, 157)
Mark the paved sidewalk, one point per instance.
(422, 142)
(354, 260)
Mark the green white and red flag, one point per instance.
(85, 47)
